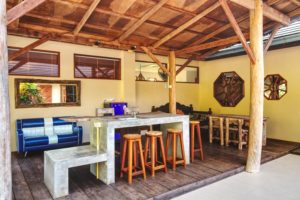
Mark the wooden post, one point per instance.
(172, 83)
(5, 153)
(256, 88)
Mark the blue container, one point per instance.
(118, 107)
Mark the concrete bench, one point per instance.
(57, 162)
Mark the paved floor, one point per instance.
(278, 179)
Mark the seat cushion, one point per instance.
(63, 129)
(34, 132)
(45, 140)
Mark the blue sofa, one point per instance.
(46, 133)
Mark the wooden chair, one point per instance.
(131, 141)
(236, 133)
(193, 125)
(216, 129)
(172, 134)
(152, 137)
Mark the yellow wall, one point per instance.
(156, 93)
(284, 114)
(93, 92)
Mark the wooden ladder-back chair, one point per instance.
(236, 132)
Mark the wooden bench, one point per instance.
(57, 163)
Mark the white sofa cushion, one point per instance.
(34, 132)
(63, 129)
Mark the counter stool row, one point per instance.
(132, 146)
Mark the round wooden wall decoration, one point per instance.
(229, 89)
(275, 87)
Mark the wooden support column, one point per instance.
(256, 88)
(172, 82)
(5, 152)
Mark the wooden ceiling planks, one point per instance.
(112, 18)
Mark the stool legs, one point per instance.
(130, 149)
(192, 142)
(142, 159)
(200, 142)
(154, 154)
(173, 159)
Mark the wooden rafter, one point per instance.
(15, 23)
(151, 12)
(21, 9)
(29, 47)
(86, 16)
(269, 12)
(122, 7)
(187, 62)
(296, 2)
(237, 29)
(186, 25)
(210, 52)
(209, 45)
(216, 32)
(270, 40)
(152, 56)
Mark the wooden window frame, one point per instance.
(198, 81)
(116, 79)
(39, 50)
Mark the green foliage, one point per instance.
(30, 94)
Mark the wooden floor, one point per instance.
(220, 162)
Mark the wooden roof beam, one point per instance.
(136, 25)
(29, 47)
(186, 25)
(296, 2)
(152, 56)
(271, 38)
(21, 9)
(209, 45)
(268, 11)
(15, 24)
(187, 62)
(86, 16)
(237, 29)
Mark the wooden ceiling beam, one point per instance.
(21, 9)
(210, 52)
(15, 23)
(216, 32)
(271, 38)
(187, 62)
(153, 57)
(186, 25)
(237, 29)
(136, 25)
(296, 2)
(29, 47)
(268, 11)
(209, 45)
(86, 16)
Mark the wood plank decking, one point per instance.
(220, 162)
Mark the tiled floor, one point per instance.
(278, 179)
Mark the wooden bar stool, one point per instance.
(153, 137)
(172, 134)
(216, 124)
(132, 141)
(193, 125)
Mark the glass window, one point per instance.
(95, 67)
(34, 63)
(149, 71)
